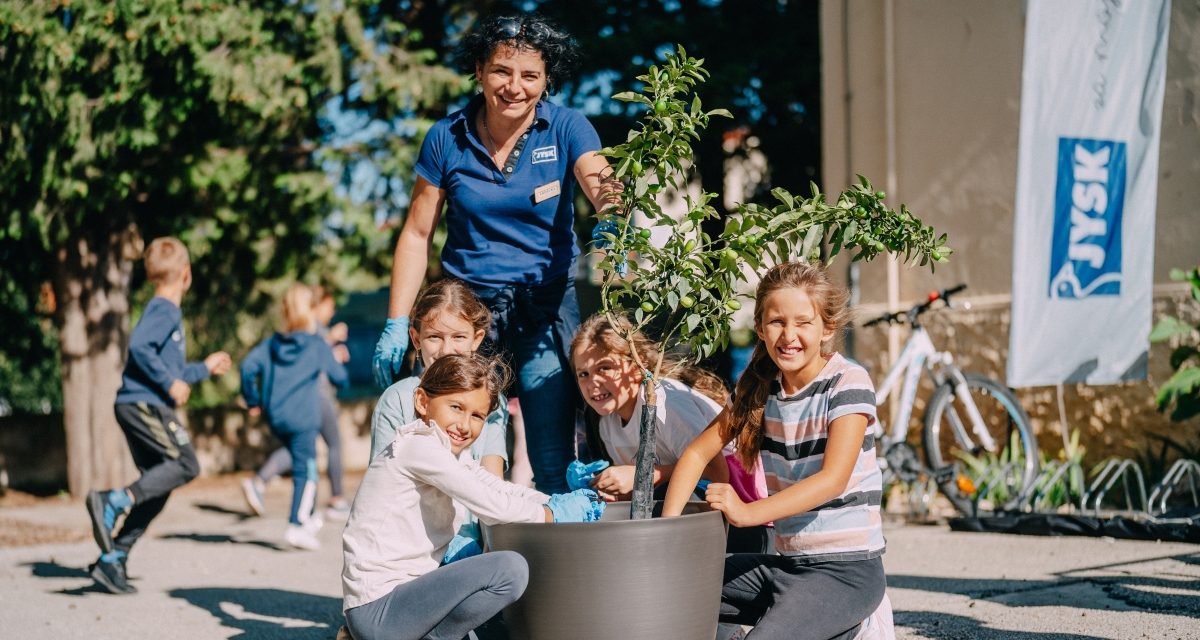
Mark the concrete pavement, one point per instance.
(207, 571)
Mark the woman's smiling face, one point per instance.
(513, 80)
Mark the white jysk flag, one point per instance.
(1087, 177)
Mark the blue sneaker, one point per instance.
(104, 509)
(109, 573)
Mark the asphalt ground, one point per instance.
(206, 570)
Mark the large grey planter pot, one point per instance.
(618, 578)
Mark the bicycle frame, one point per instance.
(920, 355)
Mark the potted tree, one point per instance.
(662, 577)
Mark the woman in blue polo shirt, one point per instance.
(505, 167)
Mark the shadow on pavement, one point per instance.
(221, 538)
(1177, 596)
(53, 569)
(269, 613)
(241, 516)
(947, 626)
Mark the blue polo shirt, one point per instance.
(498, 233)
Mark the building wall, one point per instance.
(935, 123)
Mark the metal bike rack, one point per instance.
(1182, 470)
(994, 475)
(1053, 473)
(1114, 470)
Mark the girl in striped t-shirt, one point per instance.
(803, 412)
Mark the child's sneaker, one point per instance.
(339, 510)
(109, 573)
(104, 507)
(300, 537)
(252, 489)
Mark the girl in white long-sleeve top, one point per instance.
(401, 525)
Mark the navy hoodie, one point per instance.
(156, 357)
(282, 375)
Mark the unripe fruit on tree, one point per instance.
(880, 194)
(733, 305)
(730, 254)
(687, 302)
(647, 307)
(644, 233)
(688, 246)
(660, 107)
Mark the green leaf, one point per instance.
(783, 196)
(1168, 328)
(812, 242)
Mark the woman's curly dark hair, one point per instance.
(528, 31)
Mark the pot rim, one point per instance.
(656, 521)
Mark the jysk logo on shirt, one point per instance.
(1085, 255)
(545, 154)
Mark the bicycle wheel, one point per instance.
(964, 464)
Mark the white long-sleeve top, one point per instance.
(402, 519)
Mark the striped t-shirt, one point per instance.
(796, 431)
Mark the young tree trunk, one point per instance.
(91, 285)
(642, 505)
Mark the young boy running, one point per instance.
(157, 379)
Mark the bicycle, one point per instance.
(990, 409)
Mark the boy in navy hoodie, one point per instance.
(281, 377)
(157, 379)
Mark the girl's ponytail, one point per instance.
(749, 402)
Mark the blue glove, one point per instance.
(609, 226)
(580, 475)
(581, 505)
(461, 547)
(604, 226)
(389, 351)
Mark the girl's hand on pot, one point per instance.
(723, 498)
(616, 480)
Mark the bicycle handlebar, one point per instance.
(900, 317)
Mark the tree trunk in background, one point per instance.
(91, 284)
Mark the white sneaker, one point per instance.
(252, 489)
(300, 537)
(338, 511)
(313, 524)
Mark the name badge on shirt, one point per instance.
(546, 191)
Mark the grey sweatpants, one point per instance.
(280, 459)
(163, 452)
(447, 602)
(785, 599)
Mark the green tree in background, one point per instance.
(123, 121)
(764, 61)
